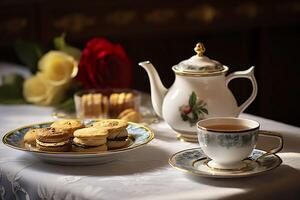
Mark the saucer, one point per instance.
(138, 134)
(194, 161)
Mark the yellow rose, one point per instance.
(39, 91)
(58, 67)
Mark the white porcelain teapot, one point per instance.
(200, 91)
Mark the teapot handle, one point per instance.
(249, 74)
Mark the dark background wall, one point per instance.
(239, 34)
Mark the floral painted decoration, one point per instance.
(194, 111)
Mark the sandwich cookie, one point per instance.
(117, 132)
(53, 140)
(90, 139)
(69, 125)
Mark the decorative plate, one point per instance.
(194, 161)
(139, 135)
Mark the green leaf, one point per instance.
(60, 44)
(28, 53)
(204, 110)
(195, 115)
(184, 117)
(11, 90)
(12, 101)
(192, 99)
(13, 79)
(67, 106)
(59, 41)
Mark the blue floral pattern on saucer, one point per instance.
(194, 161)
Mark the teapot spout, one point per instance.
(158, 91)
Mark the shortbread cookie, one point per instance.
(130, 115)
(51, 134)
(89, 104)
(30, 136)
(95, 105)
(69, 125)
(91, 132)
(129, 100)
(105, 105)
(84, 106)
(97, 108)
(52, 139)
(111, 124)
(90, 137)
(113, 104)
(121, 103)
(115, 127)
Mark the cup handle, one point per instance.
(275, 135)
(249, 74)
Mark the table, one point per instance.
(140, 174)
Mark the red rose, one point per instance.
(104, 65)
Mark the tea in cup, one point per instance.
(227, 141)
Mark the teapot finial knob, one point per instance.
(199, 49)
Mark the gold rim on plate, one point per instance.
(148, 130)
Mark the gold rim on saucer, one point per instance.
(244, 169)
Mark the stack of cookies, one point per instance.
(72, 135)
(120, 102)
(117, 133)
(97, 105)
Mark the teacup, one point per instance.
(227, 141)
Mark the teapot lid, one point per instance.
(199, 64)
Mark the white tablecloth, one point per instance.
(140, 174)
